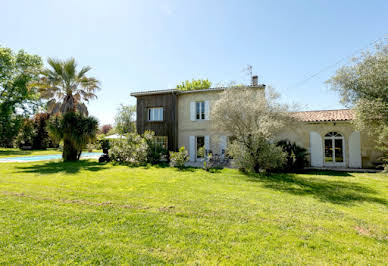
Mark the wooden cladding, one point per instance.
(168, 126)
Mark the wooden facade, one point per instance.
(169, 126)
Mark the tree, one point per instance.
(16, 97)
(76, 130)
(194, 84)
(254, 121)
(363, 85)
(41, 138)
(67, 91)
(125, 119)
(106, 128)
(66, 88)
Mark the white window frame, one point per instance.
(333, 138)
(155, 114)
(202, 110)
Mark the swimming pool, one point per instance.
(33, 158)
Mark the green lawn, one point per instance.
(90, 213)
(7, 152)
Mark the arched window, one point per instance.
(334, 148)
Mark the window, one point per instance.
(334, 148)
(200, 147)
(200, 110)
(161, 141)
(155, 114)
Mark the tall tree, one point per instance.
(194, 84)
(66, 88)
(17, 70)
(125, 119)
(253, 121)
(363, 85)
(67, 91)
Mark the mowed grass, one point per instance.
(14, 152)
(90, 213)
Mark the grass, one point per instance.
(90, 213)
(7, 152)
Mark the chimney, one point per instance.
(255, 80)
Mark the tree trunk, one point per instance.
(70, 153)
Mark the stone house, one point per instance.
(182, 118)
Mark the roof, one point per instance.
(155, 92)
(325, 115)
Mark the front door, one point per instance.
(334, 149)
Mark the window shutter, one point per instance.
(207, 110)
(192, 111)
(222, 144)
(207, 144)
(192, 148)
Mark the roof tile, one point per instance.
(325, 115)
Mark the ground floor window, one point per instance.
(200, 147)
(334, 148)
(161, 142)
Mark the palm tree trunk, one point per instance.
(70, 153)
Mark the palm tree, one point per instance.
(66, 89)
(67, 92)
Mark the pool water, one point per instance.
(46, 157)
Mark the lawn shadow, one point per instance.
(334, 191)
(53, 167)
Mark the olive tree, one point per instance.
(363, 85)
(254, 120)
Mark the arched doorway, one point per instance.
(334, 145)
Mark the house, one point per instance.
(182, 118)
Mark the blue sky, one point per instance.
(150, 45)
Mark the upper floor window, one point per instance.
(200, 110)
(155, 114)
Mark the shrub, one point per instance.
(296, 156)
(41, 138)
(26, 134)
(267, 157)
(154, 152)
(133, 149)
(179, 158)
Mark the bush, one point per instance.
(26, 134)
(296, 156)
(179, 158)
(41, 138)
(267, 157)
(133, 149)
(154, 152)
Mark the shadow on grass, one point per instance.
(62, 167)
(334, 191)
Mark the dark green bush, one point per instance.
(296, 156)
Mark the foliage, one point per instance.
(17, 70)
(106, 128)
(75, 130)
(296, 156)
(194, 84)
(179, 158)
(26, 134)
(254, 120)
(364, 85)
(133, 149)
(112, 214)
(125, 119)
(154, 151)
(41, 138)
(104, 144)
(66, 88)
